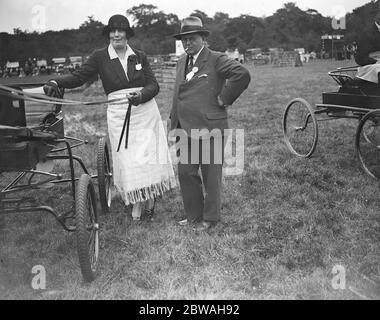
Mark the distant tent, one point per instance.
(11, 65)
(59, 60)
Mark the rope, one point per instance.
(35, 97)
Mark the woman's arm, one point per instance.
(88, 71)
(365, 47)
(151, 87)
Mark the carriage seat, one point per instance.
(25, 133)
(368, 88)
(21, 148)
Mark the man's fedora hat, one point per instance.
(191, 25)
(119, 22)
(375, 7)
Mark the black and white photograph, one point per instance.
(189, 156)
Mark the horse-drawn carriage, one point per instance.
(355, 99)
(25, 153)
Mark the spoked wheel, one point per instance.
(104, 175)
(87, 228)
(369, 134)
(300, 128)
(367, 143)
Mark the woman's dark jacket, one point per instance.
(112, 74)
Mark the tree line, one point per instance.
(289, 27)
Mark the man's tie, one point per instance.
(190, 64)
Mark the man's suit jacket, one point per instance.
(112, 74)
(369, 42)
(195, 103)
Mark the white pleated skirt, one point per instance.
(144, 170)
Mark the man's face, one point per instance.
(377, 18)
(192, 43)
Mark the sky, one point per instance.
(43, 15)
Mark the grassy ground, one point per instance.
(286, 221)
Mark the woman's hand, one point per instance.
(221, 103)
(51, 89)
(135, 98)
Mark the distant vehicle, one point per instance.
(42, 66)
(76, 62)
(12, 69)
(257, 56)
(251, 54)
(300, 50)
(235, 54)
(59, 65)
(171, 60)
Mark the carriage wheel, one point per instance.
(300, 128)
(367, 143)
(104, 175)
(369, 135)
(87, 227)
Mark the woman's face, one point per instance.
(118, 39)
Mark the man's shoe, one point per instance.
(204, 225)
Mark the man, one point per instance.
(368, 53)
(207, 82)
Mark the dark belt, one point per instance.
(126, 124)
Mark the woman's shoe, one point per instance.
(136, 220)
(149, 213)
(136, 212)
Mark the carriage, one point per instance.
(30, 143)
(355, 99)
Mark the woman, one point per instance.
(142, 170)
(368, 53)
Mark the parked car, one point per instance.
(12, 69)
(59, 65)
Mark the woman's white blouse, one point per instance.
(124, 62)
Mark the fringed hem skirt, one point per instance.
(144, 170)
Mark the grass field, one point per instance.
(286, 221)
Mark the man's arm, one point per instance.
(364, 48)
(237, 76)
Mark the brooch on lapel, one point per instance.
(138, 67)
(191, 74)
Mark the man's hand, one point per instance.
(135, 98)
(51, 89)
